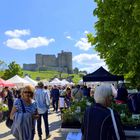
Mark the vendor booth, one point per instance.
(101, 75)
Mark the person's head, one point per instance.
(78, 86)
(103, 95)
(68, 89)
(55, 87)
(3, 93)
(45, 87)
(27, 92)
(40, 85)
(92, 93)
(6, 88)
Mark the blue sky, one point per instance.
(28, 27)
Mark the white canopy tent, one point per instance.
(18, 81)
(64, 82)
(45, 81)
(31, 81)
(55, 81)
(80, 82)
(71, 83)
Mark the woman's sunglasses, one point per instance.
(28, 92)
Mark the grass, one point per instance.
(49, 75)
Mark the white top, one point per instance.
(61, 102)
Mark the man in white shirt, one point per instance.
(43, 102)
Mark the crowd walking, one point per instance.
(30, 105)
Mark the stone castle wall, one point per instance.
(63, 62)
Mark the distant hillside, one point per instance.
(50, 75)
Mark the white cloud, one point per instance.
(94, 67)
(86, 58)
(20, 44)
(88, 62)
(83, 44)
(86, 32)
(69, 37)
(17, 33)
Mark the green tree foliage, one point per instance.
(13, 69)
(117, 37)
(76, 70)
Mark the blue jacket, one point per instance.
(42, 100)
(97, 124)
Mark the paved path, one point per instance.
(54, 126)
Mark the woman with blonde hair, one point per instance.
(68, 97)
(23, 113)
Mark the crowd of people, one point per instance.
(28, 105)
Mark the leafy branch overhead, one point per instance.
(117, 37)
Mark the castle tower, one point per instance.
(65, 61)
(39, 61)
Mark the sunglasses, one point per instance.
(27, 92)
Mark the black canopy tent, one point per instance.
(101, 75)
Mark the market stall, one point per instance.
(131, 122)
(101, 75)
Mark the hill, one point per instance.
(49, 75)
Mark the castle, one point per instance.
(62, 63)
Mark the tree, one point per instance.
(117, 36)
(76, 70)
(13, 69)
(2, 65)
(84, 72)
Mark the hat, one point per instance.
(40, 84)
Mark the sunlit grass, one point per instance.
(49, 75)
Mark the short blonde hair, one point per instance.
(102, 92)
(29, 88)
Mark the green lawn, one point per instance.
(49, 75)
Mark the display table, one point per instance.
(70, 130)
(132, 134)
(75, 134)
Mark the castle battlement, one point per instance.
(62, 62)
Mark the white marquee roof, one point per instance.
(31, 81)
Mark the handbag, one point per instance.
(17, 120)
(9, 122)
(114, 124)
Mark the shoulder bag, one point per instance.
(114, 124)
(9, 122)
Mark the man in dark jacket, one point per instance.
(55, 97)
(97, 123)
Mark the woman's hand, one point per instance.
(13, 112)
(36, 116)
